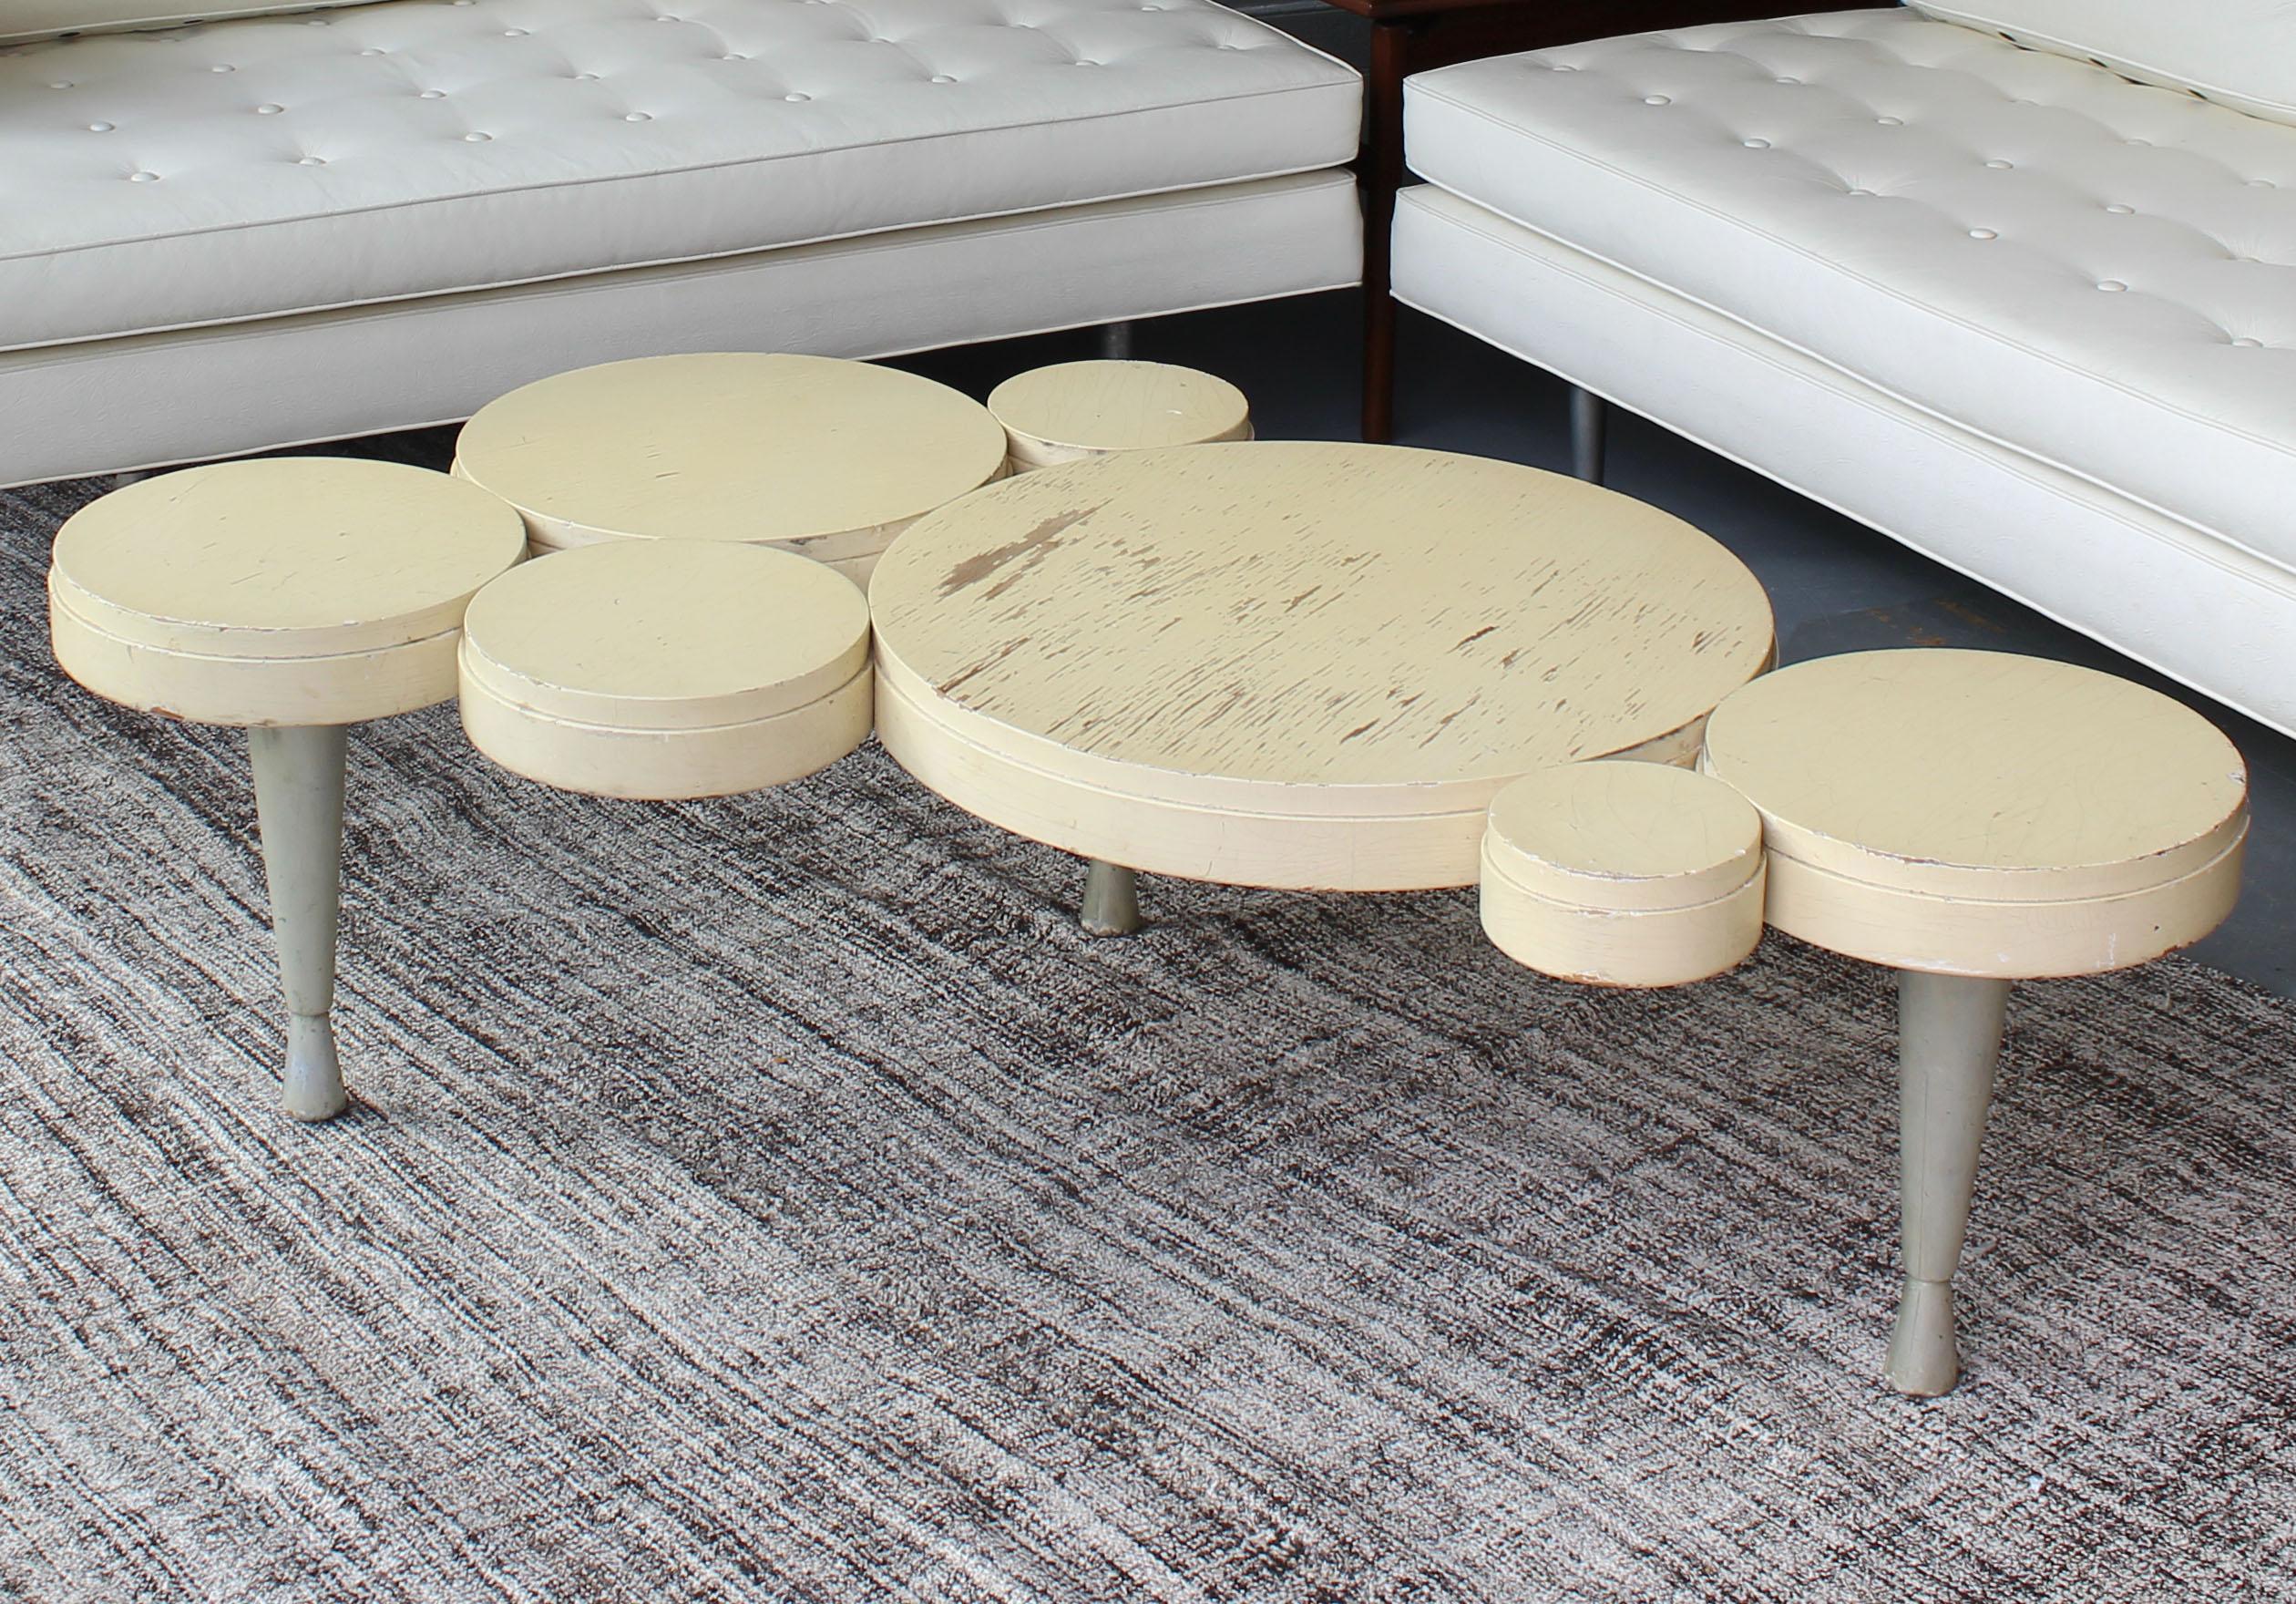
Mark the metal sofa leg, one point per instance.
(1589, 424)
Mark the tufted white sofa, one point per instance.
(1963, 276)
(281, 228)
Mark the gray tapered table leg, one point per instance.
(1112, 900)
(299, 807)
(1590, 420)
(1949, 1039)
(1116, 342)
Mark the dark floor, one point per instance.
(1836, 586)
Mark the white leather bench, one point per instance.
(1991, 296)
(296, 227)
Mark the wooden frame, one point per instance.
(1416, 35)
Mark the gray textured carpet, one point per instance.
(778, 1199)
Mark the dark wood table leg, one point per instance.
(1382, 171)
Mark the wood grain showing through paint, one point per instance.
(1294, 615)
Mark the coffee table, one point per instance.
(1295, 665)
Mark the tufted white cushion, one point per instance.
(2242, 53)
(46, 19)
(253, 167)
(2094, 271)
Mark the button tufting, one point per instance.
(1657, 100)
(586, 77)
(1890, 122)
(942, 78)
(2000, 166)
(372, 50)
(2262, 184)
(99, 128)
(143, 178)
(269, 110)
(433, 94)
(1788, 80)
(796, 97)
(733, 56)
(2247, 344)
(637, 116)
(1982, 234)
(2146, 143)
(476, 139)
(514, 33)
(61, 84)
(222, 67)
(2117, 210)
(1755, 144)
(1864, 193)
(2111, 285)
(310, 161)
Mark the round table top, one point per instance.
(1624, 835)
(1292, 629)
(286, 557)
(670, 634)
(1081, 408)
(1979, 774)
(732, 446)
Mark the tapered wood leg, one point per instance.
(1112, 900)
(1116, 342)
(1590, 422)
(1379, 165)
(1949, 1039)
(299, 807)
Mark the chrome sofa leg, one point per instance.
(1589, 423)
(1116, 342)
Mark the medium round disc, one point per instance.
(735, 447)
(1981, 813)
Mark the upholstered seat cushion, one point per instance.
(269, 165)
(2097, 273)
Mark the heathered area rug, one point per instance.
(779, 1199)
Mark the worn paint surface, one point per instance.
(1306, 615)
(734, 446)
(1074, 409)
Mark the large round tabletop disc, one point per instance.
(1982, 813)
(827, 457)
(292, 590)
(672, 668)
(1076, 409)
(1295, 665)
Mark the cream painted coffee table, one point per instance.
(1972, 818)
(826, 459)
(1303, 666)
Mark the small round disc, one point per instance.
(1084, 408)
(1624, 835)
